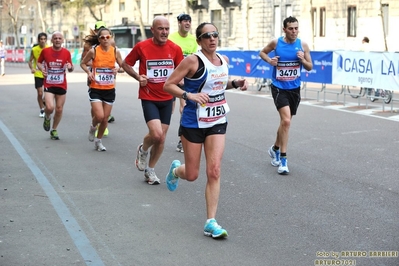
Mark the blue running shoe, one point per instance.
(283, 168)
(275, 155)
(214, 230)
(172, 181)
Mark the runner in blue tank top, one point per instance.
(291, 56)
(203, 123)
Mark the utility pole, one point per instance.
(383, 24)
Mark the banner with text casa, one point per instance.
(370, 70)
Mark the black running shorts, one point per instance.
(55, 90)
(107, 96)
(290, 98)
(198, 135)
(38, 82)
(157, 110)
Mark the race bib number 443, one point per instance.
(159, 70)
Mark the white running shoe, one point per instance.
(99, 145)
(151, 178)
(92, 131)
(179, 147)
(275, 155)
(41, 114)
(141, 159)
(283, 168)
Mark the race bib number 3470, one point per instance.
(288, 71)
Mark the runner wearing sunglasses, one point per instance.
(90, 41)
(203, 123)
(101, 59)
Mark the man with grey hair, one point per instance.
(158, 57)
(53, 62)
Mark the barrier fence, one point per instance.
(378, 70)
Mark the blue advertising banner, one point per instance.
(249, 64)
(322, 68)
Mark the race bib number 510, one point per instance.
(159, 70)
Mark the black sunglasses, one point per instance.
(208, 35)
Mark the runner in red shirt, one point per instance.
(52, 62)
(158, 57)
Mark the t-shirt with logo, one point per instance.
(157, 62)
(54, 62)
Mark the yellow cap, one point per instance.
(99, 24)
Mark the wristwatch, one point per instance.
(184, 96)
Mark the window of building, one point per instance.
(351, 21)
(200, 17)
(322, 21)
(277, 21)
(314, 21)
(121, 5)
(385, 17)
(216, 19)
(288, 11)
(230, 32)
(251, 23)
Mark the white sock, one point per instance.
(174, 172)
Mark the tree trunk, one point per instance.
(140, 20)
(383, 26)
(39, 8)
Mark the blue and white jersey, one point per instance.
(2, 52)
(213, 82)
(287, 73)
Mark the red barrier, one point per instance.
(20, 55)
(15, 55)
(9, 56)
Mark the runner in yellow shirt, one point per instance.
(36, 50)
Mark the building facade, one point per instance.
(243, 24)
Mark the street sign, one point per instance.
(75, 30)
(23, 29)
(133, 30)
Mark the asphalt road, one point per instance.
(63, 203)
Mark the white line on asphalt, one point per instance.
(338, 107)
(79, 238)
